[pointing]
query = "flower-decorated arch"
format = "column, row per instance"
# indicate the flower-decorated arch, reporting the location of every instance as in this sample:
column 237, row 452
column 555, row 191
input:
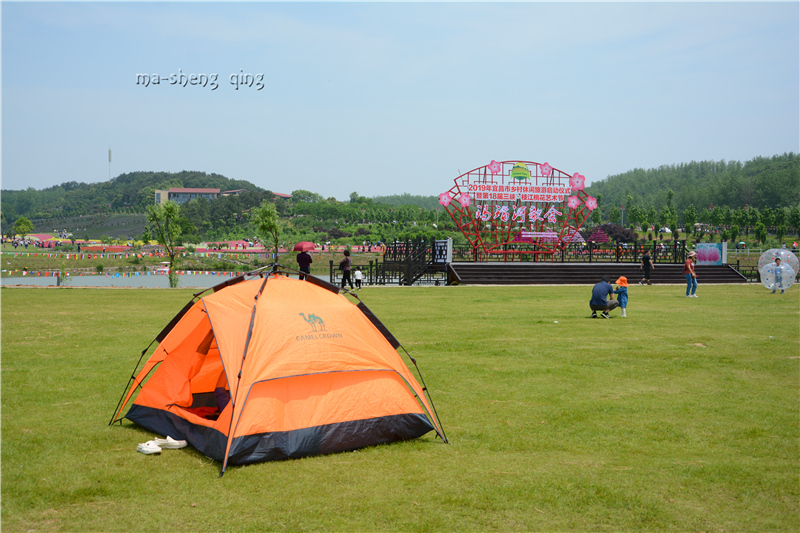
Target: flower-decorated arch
column 518, row 207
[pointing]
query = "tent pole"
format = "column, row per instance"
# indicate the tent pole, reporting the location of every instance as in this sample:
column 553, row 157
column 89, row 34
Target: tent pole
column 428, row 394
column 127, row 386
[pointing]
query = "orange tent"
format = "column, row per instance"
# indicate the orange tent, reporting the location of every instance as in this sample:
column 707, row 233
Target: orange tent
column 297, row 368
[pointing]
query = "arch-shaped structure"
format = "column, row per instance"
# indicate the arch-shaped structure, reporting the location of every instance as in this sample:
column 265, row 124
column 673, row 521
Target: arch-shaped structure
column 518, row 207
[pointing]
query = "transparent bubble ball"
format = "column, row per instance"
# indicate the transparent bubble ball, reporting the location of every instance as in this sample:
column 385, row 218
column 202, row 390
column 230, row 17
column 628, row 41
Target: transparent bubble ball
column 787, row 258
column 775, row 277
column 767, row 258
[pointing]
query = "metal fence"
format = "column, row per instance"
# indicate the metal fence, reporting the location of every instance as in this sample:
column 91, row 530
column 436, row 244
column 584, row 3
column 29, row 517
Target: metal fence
column 590, row 252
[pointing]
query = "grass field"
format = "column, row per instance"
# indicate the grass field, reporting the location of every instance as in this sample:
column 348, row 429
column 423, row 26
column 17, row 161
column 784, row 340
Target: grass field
column 681, row 417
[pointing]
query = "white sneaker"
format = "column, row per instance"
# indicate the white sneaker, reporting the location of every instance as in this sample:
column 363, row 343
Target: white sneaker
column 170, row 444
column 148, row 448
column 695, row 296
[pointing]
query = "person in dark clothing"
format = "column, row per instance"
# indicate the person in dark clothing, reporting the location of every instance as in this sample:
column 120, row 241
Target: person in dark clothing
column 345, row 263
column 646, row 265
column 603, row 298
column 304, row 261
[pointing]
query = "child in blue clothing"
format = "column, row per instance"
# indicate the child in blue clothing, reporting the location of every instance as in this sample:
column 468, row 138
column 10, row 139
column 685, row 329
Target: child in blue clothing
column 622, row 291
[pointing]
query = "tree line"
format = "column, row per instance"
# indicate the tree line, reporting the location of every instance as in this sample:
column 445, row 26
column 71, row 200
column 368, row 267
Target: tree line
column 761, row 196
column 761, row 182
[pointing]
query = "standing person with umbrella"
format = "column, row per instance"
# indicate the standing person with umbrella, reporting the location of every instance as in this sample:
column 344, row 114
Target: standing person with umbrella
column 303, row 258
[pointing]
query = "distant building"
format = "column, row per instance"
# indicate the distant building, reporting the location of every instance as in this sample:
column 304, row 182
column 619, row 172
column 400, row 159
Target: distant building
column 234, row 192
column 183, row 195
column 161, row 196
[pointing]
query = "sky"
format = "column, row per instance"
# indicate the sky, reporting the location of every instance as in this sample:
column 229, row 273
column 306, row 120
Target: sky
column 391, row 98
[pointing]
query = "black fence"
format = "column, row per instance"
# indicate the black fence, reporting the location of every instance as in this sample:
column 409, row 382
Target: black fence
column 591, row 252
column 410, row 262
column 369, row 272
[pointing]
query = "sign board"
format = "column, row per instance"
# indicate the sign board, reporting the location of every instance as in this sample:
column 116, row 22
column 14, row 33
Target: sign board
column 712, row 253
column 519, row 207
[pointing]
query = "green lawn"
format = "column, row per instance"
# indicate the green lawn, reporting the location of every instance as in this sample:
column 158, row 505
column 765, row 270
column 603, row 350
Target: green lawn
column 681, row 417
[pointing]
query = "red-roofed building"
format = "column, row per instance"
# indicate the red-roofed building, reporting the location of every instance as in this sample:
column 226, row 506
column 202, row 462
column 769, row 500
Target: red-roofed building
column 234, row 192
column 182, row 195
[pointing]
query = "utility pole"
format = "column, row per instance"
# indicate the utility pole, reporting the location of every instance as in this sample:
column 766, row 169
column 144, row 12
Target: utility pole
column 109, row 164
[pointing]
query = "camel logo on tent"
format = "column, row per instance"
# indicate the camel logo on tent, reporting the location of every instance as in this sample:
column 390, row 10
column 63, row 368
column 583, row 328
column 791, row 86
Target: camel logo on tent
column 314, row 321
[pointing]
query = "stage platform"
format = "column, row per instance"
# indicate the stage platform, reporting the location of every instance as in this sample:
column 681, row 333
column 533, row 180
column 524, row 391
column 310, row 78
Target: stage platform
column 547, row 273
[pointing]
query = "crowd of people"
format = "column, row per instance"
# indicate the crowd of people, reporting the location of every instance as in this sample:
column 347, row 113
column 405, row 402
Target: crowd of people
column 24, row 243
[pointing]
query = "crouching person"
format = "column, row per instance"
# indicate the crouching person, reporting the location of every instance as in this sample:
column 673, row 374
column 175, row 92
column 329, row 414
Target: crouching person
column 603, row 298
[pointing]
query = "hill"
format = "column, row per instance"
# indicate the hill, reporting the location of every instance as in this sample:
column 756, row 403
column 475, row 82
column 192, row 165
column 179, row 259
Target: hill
column 762, row 182
column 130, row 193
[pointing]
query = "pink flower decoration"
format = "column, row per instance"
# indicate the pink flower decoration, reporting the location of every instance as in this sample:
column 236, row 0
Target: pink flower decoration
column 577, row 182
column 494, row 167
column 591, row 203
column 445, row 198
column 573, row 202
column 465, row 199
column 546, row 169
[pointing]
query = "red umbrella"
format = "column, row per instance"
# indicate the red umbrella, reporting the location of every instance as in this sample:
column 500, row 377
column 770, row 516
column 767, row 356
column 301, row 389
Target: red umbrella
column 304, row 246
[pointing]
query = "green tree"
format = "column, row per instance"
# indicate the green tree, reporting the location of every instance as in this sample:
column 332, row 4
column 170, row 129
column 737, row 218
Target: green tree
column 672, row 220
column 734, row 232
column 635, row 216
column 23, row 227
column 355, row 198
column 715, row 216
column 740, row 218
column 146, row 236
column 614, row 215
column 780, row 231
column 597, row 216
column 652, row 216
column 768, row 217
column 163, row 220
column 663, row 217
column 301, row 195
column 779, row 216
column 597, row 213
column 265, row 220
column 753, row 217
column 761, row 232
column 726, row 215
column 689, row 218
column 630, row 216
column 794, row 219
